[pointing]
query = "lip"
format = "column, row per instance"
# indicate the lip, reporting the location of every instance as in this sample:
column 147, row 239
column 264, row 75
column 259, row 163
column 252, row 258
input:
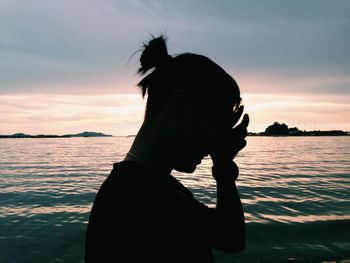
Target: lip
column 201, row 158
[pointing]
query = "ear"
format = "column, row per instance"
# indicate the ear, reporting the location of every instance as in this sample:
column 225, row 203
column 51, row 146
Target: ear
column 176, row 105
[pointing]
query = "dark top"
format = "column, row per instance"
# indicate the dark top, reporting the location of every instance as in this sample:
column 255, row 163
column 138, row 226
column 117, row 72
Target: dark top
column 141, row 216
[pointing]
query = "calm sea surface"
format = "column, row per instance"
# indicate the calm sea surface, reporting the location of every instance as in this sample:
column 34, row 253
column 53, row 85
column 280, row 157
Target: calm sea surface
column 295, row 192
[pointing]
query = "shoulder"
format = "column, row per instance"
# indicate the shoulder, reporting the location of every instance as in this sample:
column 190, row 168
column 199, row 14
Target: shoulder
column 189, row 195
column 129, row 184
column 125, row 212
column 126, row 198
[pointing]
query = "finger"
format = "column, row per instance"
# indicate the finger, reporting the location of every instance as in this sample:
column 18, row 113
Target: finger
column 245, row 121
column 237, row 115
column 240, row 131
column 241, row 144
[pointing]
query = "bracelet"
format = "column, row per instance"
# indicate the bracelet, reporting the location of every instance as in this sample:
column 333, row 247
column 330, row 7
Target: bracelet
column 225, row 172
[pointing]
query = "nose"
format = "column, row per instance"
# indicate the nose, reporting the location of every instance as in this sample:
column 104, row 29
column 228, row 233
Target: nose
column 205, row 155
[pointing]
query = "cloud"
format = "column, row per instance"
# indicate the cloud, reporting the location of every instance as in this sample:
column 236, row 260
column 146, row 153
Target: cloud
column 66, row 66
column 122, row 114
column 119, row 114
column 47, row 44
column 85, row 46
column 298, row 83
column 307, row 112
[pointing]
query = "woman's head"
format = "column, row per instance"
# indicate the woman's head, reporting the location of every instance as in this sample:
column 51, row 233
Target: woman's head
column 202, row 93
column 197, row 76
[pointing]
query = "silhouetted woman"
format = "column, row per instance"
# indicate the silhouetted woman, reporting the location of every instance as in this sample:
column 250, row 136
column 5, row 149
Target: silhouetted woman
column 143, row 214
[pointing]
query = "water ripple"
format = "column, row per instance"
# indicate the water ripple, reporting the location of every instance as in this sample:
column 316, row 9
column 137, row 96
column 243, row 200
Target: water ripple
column 295, row 189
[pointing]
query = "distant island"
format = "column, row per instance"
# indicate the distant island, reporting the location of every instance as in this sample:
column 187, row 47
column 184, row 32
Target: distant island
column 82, row 134
column 278, row 129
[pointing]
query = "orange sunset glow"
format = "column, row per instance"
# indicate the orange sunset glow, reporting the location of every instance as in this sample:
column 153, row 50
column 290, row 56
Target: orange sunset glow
column 71, row 67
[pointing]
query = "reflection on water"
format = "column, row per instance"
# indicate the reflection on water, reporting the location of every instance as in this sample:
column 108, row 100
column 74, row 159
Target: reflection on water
column 295, row 193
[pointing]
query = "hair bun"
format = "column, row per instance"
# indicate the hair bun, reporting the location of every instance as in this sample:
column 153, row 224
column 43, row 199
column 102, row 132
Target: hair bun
column 154, row 54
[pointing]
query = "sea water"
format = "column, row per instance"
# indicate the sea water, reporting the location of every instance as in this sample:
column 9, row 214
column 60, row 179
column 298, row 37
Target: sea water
column 295, row 192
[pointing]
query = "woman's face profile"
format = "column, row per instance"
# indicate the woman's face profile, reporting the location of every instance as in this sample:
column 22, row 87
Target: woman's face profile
column 195, row 137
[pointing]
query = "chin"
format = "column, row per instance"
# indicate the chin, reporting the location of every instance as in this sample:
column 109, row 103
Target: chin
column 186, row 168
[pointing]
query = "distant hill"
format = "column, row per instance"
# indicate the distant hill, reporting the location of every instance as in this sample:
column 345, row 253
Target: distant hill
column 282, row 129
column 82, row 134
column 88, row 134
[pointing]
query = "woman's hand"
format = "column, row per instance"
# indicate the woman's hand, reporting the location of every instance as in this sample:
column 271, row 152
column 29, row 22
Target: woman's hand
column 233, row 142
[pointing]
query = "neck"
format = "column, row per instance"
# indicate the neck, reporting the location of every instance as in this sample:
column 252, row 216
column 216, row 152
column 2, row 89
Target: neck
column 149, row 149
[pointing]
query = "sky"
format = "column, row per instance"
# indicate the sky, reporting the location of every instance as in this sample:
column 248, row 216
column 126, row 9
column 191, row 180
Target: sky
column 70, row 66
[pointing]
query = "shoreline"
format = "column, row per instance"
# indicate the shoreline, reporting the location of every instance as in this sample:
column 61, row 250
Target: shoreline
column 128, row 136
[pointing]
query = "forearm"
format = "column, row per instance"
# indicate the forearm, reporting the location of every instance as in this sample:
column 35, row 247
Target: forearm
column 229, row 210
column 229, row 202
column 229, row 216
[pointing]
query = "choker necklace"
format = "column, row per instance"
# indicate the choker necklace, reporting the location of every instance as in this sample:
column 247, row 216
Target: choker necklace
column 140, row 161
column 135, row 156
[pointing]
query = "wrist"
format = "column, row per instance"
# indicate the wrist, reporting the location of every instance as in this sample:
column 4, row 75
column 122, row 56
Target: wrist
column 225, row 171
